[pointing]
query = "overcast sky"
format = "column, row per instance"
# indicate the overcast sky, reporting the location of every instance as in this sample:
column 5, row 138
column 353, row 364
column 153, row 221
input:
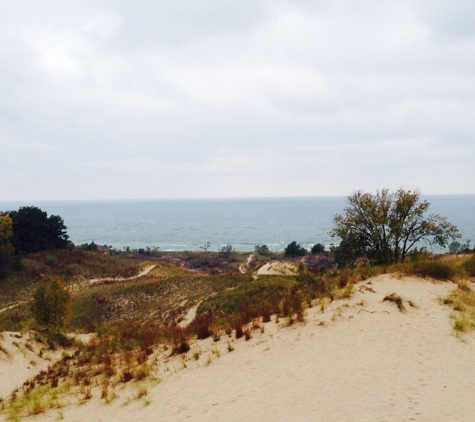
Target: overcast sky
column 210, row 98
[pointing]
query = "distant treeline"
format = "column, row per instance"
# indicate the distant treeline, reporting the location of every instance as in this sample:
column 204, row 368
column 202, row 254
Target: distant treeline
column 27, row 230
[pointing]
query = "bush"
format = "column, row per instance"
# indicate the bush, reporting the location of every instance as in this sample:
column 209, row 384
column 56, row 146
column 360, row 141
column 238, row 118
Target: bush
column 262, row 250
column 148, row 251
column 89, row 246
column 226, row 252
column 51, row 304
column 318, row 248
column 295, row 249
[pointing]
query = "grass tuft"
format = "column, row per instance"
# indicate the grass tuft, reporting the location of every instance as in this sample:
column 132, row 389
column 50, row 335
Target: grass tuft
column 141, row 392
column 395, row 298
column 462, row 301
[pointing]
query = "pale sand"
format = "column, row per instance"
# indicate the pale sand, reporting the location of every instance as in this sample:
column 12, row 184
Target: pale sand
column 278, row 268
column 367, row 362
column 18, row 363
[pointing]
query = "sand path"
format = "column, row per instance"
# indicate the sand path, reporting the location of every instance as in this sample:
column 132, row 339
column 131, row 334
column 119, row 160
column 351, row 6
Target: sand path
column 93, row 281
column 243, row 268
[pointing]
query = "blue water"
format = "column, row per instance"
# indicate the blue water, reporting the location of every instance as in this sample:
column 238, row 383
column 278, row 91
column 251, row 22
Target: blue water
column 242, row 223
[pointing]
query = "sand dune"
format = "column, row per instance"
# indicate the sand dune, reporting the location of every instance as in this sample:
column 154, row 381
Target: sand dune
column 278, row 268
column 359, row 360
column 21, row 358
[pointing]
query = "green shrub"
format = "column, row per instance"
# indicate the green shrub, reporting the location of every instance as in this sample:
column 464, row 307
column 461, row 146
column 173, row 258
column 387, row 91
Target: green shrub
column 295, row 249
column 318, row 248
column 89, row 246
column 51, row 304
column 262, row 250
column 149, row 251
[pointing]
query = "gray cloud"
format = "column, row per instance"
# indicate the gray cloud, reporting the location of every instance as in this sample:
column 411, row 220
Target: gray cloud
column 256, row 98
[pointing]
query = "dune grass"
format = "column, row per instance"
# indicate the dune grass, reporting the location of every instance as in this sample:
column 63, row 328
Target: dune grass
column 164, row 294
column 119, row 354
column 462, row 301
column 285, row 296
column 152, row 298
column 444, row 267
column 72, row 265
column 396, row 299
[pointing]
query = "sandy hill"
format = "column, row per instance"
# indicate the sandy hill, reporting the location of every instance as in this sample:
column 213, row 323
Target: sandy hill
column 360, row 359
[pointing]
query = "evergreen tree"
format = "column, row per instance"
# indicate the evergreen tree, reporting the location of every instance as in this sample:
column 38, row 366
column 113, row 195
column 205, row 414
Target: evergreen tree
column 34, row 231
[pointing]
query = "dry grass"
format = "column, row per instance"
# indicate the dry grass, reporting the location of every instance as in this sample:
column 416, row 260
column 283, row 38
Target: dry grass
column 121, row 353
column 395, row 298
column 165, row 294
column 285, row 296
column 462, row 301
column 70, row 264
column 141, row 392
column 445, row 267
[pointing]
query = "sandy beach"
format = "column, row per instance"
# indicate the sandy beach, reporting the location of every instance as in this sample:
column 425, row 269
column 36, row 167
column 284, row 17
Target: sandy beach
column 360, row 359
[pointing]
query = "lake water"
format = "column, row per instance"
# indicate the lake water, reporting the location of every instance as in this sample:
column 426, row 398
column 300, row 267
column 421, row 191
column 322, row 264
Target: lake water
column 242, row 223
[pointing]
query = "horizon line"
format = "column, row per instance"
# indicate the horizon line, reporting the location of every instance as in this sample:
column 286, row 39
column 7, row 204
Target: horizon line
column 205, row 198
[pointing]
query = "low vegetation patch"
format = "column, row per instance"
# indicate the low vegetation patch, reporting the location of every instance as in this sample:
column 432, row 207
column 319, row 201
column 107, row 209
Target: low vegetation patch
column 462, row 301
column 119, row 354
column 437, row 267
column 71, row 265
column 284, row 296
column 395, row 298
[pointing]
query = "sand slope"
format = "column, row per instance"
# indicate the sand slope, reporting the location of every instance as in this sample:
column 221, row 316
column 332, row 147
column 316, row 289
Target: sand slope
column 278, row 268
column 367, row 362
column 21, row 358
